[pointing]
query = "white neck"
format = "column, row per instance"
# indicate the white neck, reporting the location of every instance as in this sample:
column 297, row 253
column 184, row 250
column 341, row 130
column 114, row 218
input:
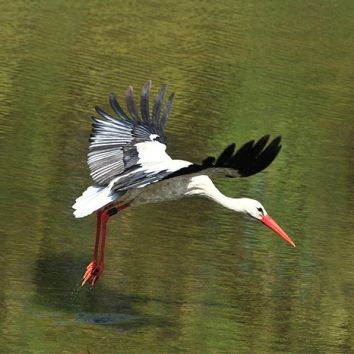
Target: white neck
column 203, row 186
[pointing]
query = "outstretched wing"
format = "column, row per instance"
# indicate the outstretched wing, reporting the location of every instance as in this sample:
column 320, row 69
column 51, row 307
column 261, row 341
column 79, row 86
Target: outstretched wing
column 251, row 158
column 126, row 142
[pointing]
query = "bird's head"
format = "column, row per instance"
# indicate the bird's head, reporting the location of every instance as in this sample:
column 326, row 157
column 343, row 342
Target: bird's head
column 256, row 210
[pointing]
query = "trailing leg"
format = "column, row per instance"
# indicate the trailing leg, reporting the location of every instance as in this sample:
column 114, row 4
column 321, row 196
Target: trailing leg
column 100, row 267
column 96, row 266
column 92, row 265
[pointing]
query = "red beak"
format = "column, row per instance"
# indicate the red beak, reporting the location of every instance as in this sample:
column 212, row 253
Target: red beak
column 268, row 221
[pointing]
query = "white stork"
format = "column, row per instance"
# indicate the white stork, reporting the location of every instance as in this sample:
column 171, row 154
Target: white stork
column 129, row 166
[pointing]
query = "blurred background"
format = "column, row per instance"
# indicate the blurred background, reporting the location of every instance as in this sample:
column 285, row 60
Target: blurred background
column 186, row 276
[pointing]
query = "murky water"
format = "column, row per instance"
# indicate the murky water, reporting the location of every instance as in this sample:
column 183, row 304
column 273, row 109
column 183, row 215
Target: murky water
column 187, row 276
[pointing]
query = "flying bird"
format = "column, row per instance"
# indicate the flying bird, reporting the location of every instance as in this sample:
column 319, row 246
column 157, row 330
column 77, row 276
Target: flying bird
column 129, row 166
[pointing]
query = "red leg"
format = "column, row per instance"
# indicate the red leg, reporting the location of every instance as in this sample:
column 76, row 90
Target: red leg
column 95, row 270
column 99, row 269
column 92, row 265
column 98, row 231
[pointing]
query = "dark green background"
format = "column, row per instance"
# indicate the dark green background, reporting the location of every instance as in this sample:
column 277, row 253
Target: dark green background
column 188, row 276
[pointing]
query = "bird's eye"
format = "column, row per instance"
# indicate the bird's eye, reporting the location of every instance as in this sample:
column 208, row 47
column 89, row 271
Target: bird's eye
column 260, row 210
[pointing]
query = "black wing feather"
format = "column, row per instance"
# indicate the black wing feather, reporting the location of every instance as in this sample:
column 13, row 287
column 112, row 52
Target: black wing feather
column 144, row 103
column 260, row 144
column 166, row 112
column 226, row 156
column 264, row 159
column 157, row 106
column 117, row 108
column 129, row 98
column 251, row 158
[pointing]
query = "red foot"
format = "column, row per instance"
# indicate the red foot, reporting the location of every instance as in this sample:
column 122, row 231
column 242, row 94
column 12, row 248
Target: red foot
column 93, row 271
column 97, row 273
column 89, row 270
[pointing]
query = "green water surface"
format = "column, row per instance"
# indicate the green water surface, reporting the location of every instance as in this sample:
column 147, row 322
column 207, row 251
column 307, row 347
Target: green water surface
column 186, row 276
